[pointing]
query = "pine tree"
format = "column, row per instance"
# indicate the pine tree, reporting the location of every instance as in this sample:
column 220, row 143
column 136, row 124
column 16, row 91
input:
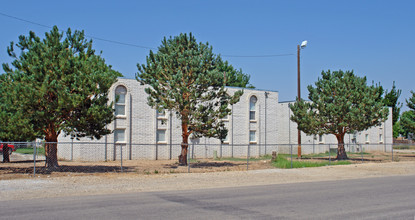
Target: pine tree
column 234, row 77
column 14, row 123
column 340, row 103
column 408, row 117
column 391, row 100
column 184, row 77
column 65, row 86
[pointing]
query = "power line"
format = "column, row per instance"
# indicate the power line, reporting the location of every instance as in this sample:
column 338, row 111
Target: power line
column 140, row 46
column 272, row 55
column 96, row 38
column 20, row 19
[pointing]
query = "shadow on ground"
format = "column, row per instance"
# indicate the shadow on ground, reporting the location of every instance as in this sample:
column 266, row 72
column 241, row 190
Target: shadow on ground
column 64, row 169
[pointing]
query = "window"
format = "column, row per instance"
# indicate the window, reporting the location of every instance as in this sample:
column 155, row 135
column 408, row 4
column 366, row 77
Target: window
column 367, row 138
column 226, row 140
column 320, row 139
column 252, row 108
column 252, row 136
column 119, row 135
column 161, row 135
column 380, row 138
column 120, row 93
column 161, row 114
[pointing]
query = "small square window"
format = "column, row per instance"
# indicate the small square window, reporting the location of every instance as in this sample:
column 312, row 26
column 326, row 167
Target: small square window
column 161, row 135
column 252, row 136
column 320, row 139
column 161, row 114
column 119, row 109
column 252, row 115
column 119, row 135
column 367, row 138
column 226, row 140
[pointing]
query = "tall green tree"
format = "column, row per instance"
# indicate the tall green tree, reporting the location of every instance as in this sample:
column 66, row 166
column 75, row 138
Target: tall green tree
column 340, row 103
column 65, row 86
column 408, row 117
column 234, row 77
column 184, row 77
column 391, row 100
column 14, row 123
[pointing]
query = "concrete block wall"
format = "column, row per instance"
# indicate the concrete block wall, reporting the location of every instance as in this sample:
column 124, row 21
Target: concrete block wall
column 273, row 131
column 288, row 133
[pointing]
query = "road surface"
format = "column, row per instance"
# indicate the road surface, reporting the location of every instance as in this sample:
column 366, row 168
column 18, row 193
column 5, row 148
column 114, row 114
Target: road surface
column 371, row 198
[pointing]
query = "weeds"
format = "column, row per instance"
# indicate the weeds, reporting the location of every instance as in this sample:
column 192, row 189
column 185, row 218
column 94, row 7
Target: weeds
column 283, row 162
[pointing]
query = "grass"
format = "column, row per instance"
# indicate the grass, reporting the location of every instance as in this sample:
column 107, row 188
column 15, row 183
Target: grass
column 29, row 150
column 283, row 162
column 265, row 157
column 332, row 154
column 404, row 147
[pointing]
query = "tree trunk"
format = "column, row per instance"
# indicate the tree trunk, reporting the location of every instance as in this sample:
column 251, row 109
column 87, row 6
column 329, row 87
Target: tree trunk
column 6, row 156
column 185, row 145
column 51, row 150
column 183, row 155
column 341, row 152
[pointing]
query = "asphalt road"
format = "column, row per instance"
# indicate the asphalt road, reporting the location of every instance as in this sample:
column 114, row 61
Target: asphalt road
column 372, row 198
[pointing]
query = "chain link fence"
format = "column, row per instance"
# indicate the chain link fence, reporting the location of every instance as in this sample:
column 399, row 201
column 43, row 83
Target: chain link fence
column 118, row 154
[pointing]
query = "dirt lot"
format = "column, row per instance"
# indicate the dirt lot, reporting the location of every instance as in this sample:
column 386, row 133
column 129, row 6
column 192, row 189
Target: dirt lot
column 81, row 178
column 22, row 166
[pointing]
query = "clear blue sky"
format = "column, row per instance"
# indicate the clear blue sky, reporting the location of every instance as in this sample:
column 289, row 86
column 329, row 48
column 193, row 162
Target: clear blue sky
column 374, row 38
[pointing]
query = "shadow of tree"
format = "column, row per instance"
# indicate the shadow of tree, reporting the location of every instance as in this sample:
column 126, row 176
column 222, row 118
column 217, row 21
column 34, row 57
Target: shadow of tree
column 204, row 165
column 66, row 168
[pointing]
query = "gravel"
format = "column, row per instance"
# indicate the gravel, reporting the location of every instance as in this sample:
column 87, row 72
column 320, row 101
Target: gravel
column 110, row 183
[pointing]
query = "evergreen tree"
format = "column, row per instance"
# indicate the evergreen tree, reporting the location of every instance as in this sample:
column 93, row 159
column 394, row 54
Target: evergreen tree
column 65, row 86
column 340, row 103
column 408, row 117
column 391, row 100
column 235, row 78
column 14, row 123
column 184, row 77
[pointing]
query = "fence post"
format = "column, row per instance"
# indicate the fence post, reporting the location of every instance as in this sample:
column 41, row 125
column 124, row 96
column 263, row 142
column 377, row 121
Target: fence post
column 361, row 151
column 121, row 156
column 392, row 152
column 193, row 150
column 247, row 159
column 220, row 150
column 329, row 155
column 188, row 159
column 34, row 159
column 72, row 150
column 291, row 152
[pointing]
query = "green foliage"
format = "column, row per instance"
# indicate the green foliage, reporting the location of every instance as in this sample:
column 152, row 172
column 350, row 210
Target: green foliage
column 234, row 77
column 283, row 162
column 408, row 117
column 185, row 77
column 14, row 123
column 340, row 103
column 29, row 150
column 398, row 129
column 61, row 84
column 391, row 100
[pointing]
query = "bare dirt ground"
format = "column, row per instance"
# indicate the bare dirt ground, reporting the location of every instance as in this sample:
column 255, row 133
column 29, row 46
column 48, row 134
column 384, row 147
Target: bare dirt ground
column 86, row 178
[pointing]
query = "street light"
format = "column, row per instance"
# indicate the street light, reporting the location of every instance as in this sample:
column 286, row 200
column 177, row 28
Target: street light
column 299, row 47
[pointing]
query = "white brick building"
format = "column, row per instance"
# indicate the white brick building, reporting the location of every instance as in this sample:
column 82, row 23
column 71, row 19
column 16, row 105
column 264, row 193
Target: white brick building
column 140, row 132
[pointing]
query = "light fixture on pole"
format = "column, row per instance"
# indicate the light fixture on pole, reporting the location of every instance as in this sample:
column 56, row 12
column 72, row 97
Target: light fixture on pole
column 299, row 47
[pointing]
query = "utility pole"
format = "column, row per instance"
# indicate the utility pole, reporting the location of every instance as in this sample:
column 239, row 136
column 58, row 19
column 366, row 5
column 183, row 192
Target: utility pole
column 303, row 45
column 298, row 98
